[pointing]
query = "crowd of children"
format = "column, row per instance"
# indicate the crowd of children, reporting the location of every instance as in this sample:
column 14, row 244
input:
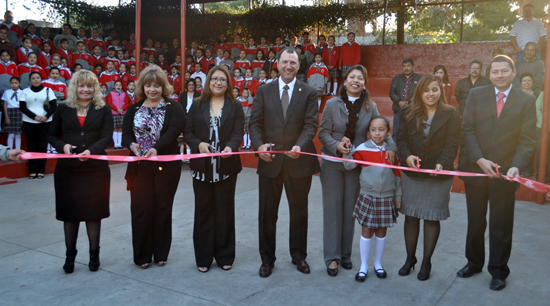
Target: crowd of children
column 114, row 62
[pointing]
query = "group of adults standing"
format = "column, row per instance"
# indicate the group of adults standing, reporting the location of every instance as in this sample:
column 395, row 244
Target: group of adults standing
column 285, row 118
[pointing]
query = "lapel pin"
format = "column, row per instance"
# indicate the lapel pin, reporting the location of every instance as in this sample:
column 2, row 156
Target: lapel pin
column 299, row 89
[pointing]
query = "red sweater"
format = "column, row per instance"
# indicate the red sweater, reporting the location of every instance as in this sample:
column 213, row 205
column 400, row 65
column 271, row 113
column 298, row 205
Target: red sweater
column 125, row 78
column 83, row 56
column 63, row 72
column 68, row 55
column 242, row 64
column 21, row 56
column 107, row 77
column 92, row 42
column 10, row 69
column 26, row 68
column 331, row 58
column 56, row 86
column 350, row 55
column 44, row 60
column 118, row 100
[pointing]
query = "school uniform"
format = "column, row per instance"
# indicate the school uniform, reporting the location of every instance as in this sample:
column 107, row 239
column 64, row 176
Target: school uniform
column 264, row 48
column 207, row 63
column 118, row 100
column 11, row 98
column 35, row 40
column 318, row 76
column 268, row 65
column 175, row 81
column 56, row 86
column 13, row 27
column 64, row 73
column 176, row 65
column 7, row 70
column 47, row 40
column 256, row 66
column 331, row 57
column 130, row 46
column 115, row 61
column 350, row 55
column 132, row 96
column 108, row 79
column 84, row 59
column 125, row 78
column 44, row 59
column 224, row 46
column 150, row 51
column 252, row 86
column 21, row 55
column 95, row 42
column 243, row 64
column 98, row 60
column 24, row 71
column 277, row 48
column 238, row 83
column 251, row 50
column 66, row 54
column 190, row 68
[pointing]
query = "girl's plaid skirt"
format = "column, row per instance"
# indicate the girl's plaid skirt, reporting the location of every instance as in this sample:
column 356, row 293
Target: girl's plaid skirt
column 334, row 73
column 345, row 69
column 246, row 123
column 117, row 119
column 16, row 118
column 372, row 212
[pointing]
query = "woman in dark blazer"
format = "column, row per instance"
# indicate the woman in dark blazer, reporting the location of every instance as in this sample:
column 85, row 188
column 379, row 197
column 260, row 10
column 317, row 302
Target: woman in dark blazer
column 82, row 125
column 428, row 138
column 151, row 127
column 187, row 97
column 215, row 124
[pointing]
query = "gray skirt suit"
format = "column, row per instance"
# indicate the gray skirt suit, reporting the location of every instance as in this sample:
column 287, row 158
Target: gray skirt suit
column 340, row 186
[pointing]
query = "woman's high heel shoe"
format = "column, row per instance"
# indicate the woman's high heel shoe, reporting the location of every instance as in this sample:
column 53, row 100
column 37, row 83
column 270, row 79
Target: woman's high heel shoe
column 424, row 276
column 94, row 260
column 69, row 261
column 406, row 269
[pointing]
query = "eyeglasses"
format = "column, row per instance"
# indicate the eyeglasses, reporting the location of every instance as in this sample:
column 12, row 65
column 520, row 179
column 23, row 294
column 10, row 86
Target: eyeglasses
column 216, row 80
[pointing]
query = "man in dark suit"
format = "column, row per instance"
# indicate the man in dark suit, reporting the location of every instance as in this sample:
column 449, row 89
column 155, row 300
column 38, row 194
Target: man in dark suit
column 285, row 117
column 402, row 90
column 499, row 135
column 474, row 79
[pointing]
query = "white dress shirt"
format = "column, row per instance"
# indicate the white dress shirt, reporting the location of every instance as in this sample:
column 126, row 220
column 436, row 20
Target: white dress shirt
column 291, row 88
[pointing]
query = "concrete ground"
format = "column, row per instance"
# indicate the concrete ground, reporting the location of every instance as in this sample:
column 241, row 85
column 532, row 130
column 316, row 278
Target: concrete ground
column 32, row 254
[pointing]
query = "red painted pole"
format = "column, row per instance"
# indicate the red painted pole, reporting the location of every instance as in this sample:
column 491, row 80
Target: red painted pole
column 183, row 53
column 544, row 132
column 138, row 37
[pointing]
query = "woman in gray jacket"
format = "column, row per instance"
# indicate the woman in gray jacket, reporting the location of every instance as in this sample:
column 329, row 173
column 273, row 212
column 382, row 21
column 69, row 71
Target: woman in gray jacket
column 344, row 125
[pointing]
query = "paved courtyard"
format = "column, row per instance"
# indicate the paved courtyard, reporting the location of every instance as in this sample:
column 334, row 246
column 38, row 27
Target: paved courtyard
column 32, row 254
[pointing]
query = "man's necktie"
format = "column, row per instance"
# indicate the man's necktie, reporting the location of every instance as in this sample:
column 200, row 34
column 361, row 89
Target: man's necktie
column 285, row 100
column 500, row 103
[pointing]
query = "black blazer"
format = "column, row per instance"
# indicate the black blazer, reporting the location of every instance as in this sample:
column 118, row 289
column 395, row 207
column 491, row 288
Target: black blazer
column 397, row 90
column 508, row 140
column 300, row 127
column 197, row 130
column 174, row 123
column 183, row 99
column 441, row 146
column 95, row 136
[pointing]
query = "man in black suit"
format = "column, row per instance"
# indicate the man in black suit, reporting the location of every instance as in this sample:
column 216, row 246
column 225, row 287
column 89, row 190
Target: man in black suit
column 402, row 90
column 499, row 135
column 285, row 117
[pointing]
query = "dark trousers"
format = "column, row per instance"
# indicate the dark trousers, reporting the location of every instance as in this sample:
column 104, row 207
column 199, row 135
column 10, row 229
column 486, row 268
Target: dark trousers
column 214, row 228
column 37, row 134
column 501, row 224
column 270, row 190
column 395, row 127
column 152, row 198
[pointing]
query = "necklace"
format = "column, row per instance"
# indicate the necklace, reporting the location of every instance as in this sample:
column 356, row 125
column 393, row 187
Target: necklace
column 83, row 110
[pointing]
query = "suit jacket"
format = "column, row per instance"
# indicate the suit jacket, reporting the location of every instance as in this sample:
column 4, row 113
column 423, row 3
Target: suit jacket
column 397, row 90
column 94, row 136
column 334, row 122
column 463, row 87
column 508, row 140
column 231, row 130
column 268, row 126
column 441, row 146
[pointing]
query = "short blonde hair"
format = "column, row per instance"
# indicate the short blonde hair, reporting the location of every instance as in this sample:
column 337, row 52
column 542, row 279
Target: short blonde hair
column 84, row 77
column 153, row 74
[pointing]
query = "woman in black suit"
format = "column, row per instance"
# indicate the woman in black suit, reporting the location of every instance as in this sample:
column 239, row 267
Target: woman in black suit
column 215, row 124
column 428, row 138
column 187, row 97
column 151, row 127
column 82, row 125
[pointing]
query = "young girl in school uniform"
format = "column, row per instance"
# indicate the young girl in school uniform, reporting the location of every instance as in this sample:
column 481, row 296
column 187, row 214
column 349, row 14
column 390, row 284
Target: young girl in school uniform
column 250, row 83
column 119, row 102
column 238, row 80
column 274, row 75
column 242, row 62
column 25, row 70
column 59, row 88
column 44, row 57
column 131, row 91
column 8, row 69
column 23, row 51
column 246, row 101
column 380, row 197
column 13, row 117
column 258, row 63
column 198, row 84
column 109, row 76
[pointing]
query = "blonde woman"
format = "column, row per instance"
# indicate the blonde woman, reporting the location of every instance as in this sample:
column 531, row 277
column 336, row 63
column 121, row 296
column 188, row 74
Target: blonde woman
column 82, row 125
column 151, row 127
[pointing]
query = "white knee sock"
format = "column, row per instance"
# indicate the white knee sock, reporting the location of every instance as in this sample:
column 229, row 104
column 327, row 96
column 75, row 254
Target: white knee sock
column 188, row 151
column 364, row 247
column 379, row 246
column 245, row 140
column 115, row 139
column 18, row 141
column 11, row 137
column 119, row 137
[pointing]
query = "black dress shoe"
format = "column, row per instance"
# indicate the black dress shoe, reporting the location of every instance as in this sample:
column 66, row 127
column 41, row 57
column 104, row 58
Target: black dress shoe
column 467, row 272
column 406, row 269
column 497, row 284
column 301, row 265
column 265, row 269
column 380, row 273
column 332, row 272
column 361, row 276
column 346, row 265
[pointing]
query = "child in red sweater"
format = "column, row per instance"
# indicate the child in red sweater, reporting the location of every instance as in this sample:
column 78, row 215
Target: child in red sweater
column 119, row 102
column 350, row 54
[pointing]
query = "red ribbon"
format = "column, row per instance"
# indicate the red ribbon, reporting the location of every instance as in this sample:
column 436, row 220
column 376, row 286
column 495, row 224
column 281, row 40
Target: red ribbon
column 534, row 185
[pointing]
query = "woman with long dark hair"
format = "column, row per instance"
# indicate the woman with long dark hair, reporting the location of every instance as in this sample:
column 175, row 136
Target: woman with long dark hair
column 428, row 138
column 441, row 72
